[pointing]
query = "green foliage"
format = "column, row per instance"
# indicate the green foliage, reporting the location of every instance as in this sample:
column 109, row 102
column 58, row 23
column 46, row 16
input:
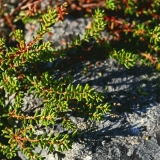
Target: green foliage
column 110, row 4
column 126, row 58
column 20, row 129
column 135, row 26
column 138, row 39
column 98, row 24
column 155, row 37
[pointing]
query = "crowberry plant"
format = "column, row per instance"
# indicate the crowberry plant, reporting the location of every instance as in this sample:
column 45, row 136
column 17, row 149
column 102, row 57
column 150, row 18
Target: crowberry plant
column 59, row 96
column 133, row 25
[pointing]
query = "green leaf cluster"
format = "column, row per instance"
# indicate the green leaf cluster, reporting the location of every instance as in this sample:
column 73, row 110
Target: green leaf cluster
column 126, row 58
column 20, row 74
column 59, row 96
column 98, row 25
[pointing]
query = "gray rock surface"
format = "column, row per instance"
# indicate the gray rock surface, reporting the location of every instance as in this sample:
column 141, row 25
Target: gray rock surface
column 132, row 131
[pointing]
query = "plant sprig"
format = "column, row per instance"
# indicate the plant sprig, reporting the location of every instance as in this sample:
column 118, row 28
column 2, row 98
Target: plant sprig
column 57, row 100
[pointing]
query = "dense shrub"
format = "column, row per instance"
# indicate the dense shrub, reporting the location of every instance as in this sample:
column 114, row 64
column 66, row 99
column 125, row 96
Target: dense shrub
column 135, row 37
column 20, row 74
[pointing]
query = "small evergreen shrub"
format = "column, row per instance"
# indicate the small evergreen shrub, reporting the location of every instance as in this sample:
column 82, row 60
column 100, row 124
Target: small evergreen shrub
column 134, row 27
column 19, row 74
column 136, row 39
